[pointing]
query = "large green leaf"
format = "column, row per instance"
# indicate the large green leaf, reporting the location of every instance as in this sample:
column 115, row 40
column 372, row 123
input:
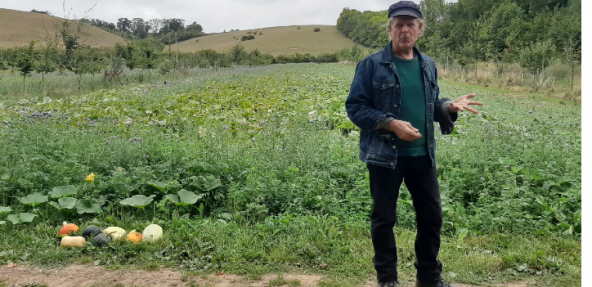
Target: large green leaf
column 158, row 185
column 5, row 209
column 21, row 218
column 173, row 198
column 188, row 197
column 62, row 191
column 139, row 201
column 67, row 202
column 208, row 183
column 33, row 199
column 64, row 203
column 88, row 206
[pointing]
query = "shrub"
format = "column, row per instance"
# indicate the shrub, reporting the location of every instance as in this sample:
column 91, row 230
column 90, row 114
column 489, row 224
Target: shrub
column 317, row 29
column 247, row 37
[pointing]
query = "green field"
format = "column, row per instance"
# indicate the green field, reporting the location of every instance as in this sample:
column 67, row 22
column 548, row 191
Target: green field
column 276, row 41
column 272, row 157
column 19, row 28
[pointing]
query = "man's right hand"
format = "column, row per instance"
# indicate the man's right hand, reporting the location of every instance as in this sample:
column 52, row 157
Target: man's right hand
column 404, row 130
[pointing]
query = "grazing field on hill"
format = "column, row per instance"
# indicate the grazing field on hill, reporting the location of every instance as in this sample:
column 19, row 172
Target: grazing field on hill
column 19, row 28
column 255, row 170
column 274, row 41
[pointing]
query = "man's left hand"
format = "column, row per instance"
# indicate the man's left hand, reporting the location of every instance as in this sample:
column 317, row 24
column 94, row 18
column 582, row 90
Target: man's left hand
column 463, row 103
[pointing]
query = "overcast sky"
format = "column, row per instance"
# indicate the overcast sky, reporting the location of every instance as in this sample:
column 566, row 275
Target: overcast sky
column 214, row 16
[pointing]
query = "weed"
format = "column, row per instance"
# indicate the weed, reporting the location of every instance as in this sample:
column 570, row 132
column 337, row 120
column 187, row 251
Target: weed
column 280, row 281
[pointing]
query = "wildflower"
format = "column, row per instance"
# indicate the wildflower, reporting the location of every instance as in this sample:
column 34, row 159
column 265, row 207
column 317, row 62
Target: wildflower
column 90, row 177
column 120, row 169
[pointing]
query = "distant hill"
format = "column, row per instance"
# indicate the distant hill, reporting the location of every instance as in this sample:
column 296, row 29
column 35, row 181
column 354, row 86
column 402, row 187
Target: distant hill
column 18, row 28
column 275, row 41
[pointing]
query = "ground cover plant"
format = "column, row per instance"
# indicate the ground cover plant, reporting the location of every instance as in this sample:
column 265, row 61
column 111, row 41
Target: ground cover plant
column 255, row 170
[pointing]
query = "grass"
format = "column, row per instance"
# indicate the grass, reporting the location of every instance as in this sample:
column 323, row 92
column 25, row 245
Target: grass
column 280, row 281
column 208, row 245
column 19, row 28
column 275, row 41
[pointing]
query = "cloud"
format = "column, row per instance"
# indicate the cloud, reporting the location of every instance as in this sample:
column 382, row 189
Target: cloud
column 214, row 16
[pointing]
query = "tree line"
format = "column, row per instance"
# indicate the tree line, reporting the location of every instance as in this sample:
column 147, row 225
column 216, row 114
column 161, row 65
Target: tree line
column 168, row 31
column 532, row 33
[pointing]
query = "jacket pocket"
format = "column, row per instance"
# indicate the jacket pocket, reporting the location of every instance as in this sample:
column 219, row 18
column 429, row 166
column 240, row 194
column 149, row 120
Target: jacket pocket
column 383, row 91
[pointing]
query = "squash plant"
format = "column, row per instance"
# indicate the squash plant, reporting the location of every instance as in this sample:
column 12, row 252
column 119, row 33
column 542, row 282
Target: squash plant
column 4, row 209
column 185, row 198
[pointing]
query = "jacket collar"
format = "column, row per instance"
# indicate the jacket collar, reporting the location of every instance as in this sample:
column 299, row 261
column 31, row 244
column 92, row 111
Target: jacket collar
column 387, row 55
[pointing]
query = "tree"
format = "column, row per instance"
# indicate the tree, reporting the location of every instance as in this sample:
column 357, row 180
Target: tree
column 46, row 61
column 572, row 57
column 124, row 24
column 25, row 64
column 537, row 56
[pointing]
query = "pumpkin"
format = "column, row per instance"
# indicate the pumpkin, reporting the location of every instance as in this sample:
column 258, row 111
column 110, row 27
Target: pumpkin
column 115, row 232
column 152, row 233
column 134, row 237
column 101, row 240
column 73, row 241
column 66, row 228
column 91, row 230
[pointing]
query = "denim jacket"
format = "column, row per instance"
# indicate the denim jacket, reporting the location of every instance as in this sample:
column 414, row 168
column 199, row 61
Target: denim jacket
column 375, row 95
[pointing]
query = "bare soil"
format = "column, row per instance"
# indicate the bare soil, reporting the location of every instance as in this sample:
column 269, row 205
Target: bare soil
column 95, row 276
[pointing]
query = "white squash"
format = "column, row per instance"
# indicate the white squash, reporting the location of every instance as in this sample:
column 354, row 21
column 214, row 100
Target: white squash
column 73, row 241
column 115, row 232
column 152, row 233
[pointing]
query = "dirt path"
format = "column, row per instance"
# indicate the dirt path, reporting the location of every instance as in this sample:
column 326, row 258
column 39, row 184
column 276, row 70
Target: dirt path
column 80, row 275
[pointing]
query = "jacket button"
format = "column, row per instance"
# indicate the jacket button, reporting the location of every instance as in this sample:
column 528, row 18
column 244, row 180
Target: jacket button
column 397, row 86
column 396, row 106
column 394, row 147
column 392, row 164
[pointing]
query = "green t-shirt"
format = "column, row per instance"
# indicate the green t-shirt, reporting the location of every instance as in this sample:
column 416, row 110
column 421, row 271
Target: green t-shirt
column 413, row 105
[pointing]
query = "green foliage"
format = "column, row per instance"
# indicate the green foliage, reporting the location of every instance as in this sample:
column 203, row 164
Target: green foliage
column 25, row 61
column 255, row 142
column 247, row 37
column 538, row 56
column 63, row 191
column 21, row 218
column 33, row 199
column 317, row 29
column 139, row 201
column 477, row 29
column 64, row 203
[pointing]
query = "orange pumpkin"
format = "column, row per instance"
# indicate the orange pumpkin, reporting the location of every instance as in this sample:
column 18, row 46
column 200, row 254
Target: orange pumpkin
column 66, row 228
column 134, row 237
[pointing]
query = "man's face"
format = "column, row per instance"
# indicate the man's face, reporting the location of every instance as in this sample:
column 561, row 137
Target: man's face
column 404, row 32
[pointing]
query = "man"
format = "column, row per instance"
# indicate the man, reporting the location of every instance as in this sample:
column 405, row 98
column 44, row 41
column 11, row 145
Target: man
column 394, row 100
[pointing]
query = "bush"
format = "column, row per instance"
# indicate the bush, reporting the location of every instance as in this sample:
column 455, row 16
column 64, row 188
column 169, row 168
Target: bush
column 247, row 37
column 317, row 29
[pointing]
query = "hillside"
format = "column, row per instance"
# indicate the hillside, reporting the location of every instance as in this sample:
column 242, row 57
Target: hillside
column 275, row 41
column 19, row 28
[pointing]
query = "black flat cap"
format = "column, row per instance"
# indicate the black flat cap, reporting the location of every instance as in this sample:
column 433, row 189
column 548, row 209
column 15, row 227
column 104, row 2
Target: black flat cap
column 405, row 8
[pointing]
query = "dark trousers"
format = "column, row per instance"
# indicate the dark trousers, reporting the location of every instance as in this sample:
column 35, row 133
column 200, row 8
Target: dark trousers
column 421, row 180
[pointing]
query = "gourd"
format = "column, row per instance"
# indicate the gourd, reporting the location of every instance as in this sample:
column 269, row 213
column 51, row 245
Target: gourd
column 152, row 233
column 91, row 230
column 115, row 232
column 134, row 237
column 101, row 240
column 73, row 241
column 66, row 228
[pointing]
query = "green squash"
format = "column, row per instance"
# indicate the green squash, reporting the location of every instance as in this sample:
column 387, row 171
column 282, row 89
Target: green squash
column 102, row 240
column 91, row 230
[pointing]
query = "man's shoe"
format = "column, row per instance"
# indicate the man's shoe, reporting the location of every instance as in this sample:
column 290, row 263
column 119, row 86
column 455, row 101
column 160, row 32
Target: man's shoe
column 388, row 284
column 442, row 283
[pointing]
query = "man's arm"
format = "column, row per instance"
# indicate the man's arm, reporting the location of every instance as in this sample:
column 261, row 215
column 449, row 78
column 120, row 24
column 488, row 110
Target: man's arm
column 359, row 105
column 442, row 112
